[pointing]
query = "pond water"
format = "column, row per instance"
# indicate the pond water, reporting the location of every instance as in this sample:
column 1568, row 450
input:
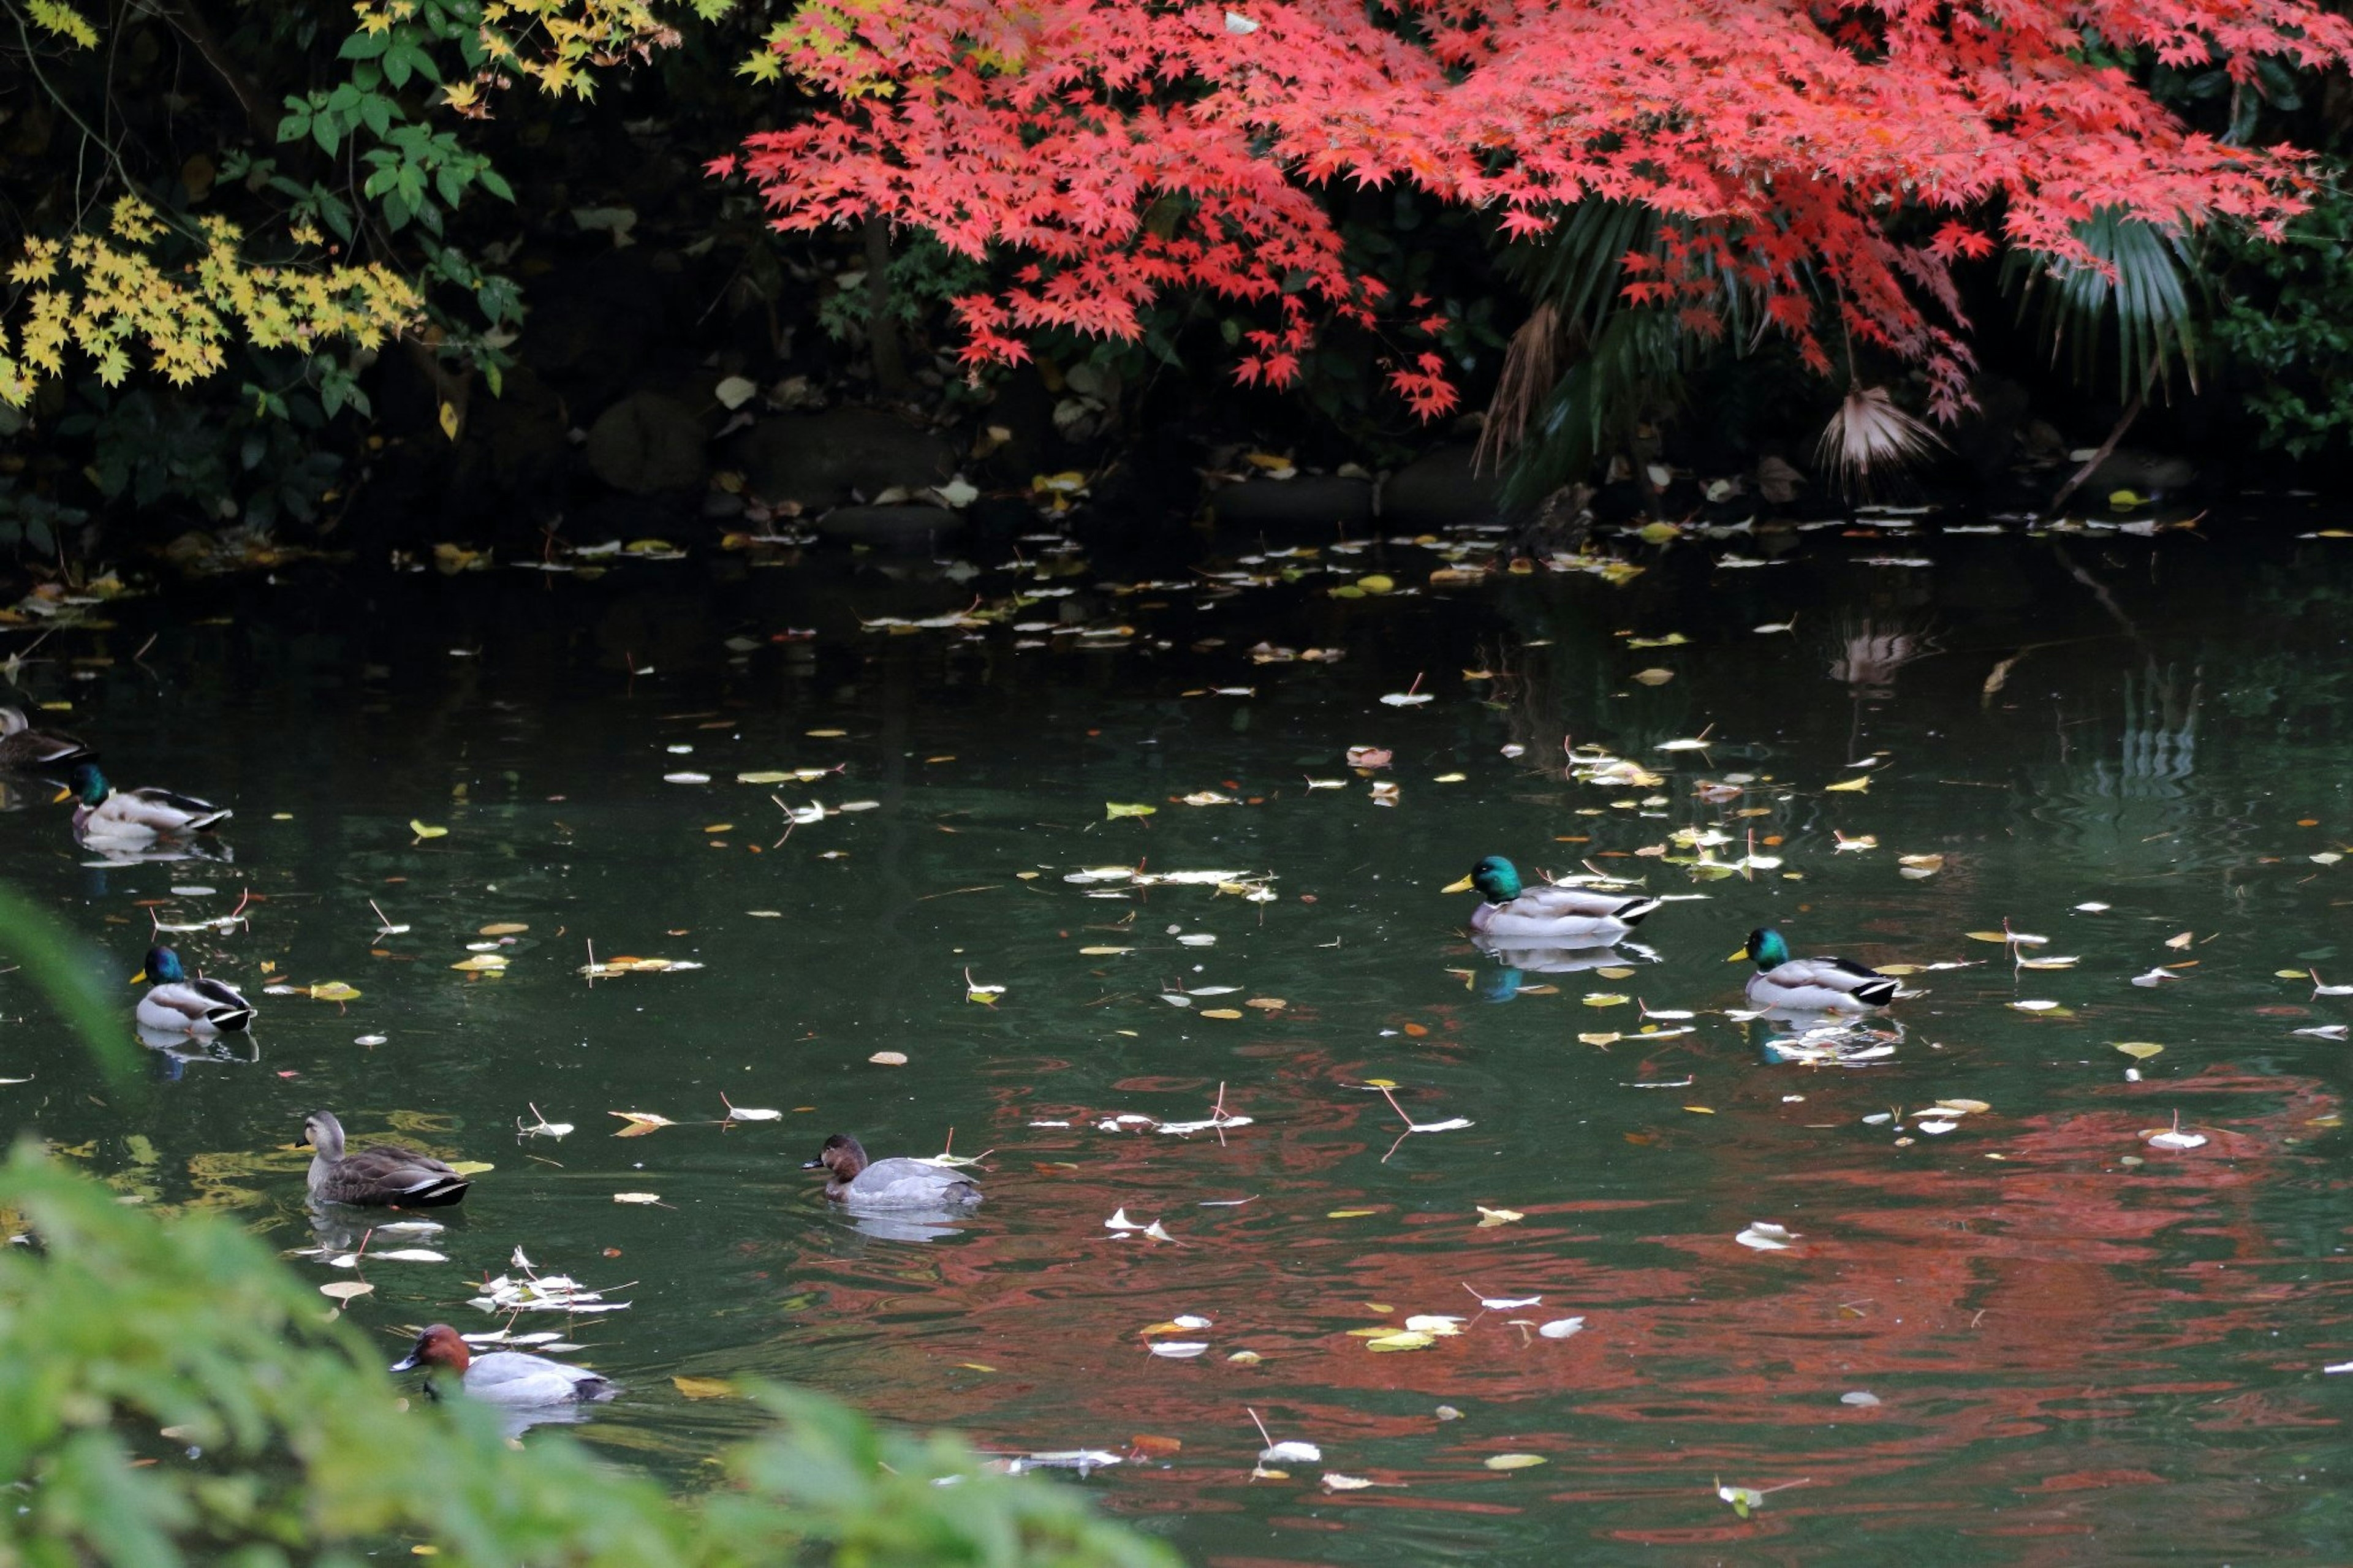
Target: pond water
column 2031, row 1336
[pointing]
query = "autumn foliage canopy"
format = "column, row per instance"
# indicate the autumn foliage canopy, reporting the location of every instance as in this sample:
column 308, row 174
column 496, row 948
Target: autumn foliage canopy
column 1831, row 159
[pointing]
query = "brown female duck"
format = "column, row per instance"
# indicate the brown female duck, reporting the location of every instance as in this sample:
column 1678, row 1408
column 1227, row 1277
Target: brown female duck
column 23, row 746
column 385, row 1176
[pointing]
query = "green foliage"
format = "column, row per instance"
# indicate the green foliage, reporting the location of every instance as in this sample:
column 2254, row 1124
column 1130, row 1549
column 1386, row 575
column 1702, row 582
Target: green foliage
column 2283, row 318
column 170, row 1393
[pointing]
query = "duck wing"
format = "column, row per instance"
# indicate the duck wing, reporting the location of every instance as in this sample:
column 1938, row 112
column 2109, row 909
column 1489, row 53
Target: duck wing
column 163, row 810
column 510, row 1377
column 1583, row 903
column 41, row 749
column 1838, row 977
column 226, row 1006
column 903, row 1183
column 391, row 1176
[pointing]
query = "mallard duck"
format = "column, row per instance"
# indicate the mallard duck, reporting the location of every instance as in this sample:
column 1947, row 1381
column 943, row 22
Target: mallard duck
column 1552, row 916
column 893, row 1183
column 385, row 1176
column 504, row 1377
column 177, row 1005
column 103, row 813
column 1811, row 985
column 22, row 746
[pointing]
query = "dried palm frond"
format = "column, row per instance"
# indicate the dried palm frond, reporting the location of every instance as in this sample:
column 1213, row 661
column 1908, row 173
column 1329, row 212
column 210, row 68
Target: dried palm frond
column 1531, row 365
column 1870, row 430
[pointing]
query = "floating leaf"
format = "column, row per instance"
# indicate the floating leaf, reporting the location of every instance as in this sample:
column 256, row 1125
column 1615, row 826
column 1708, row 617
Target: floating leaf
column 482, row 963
column 636, row 1197
column 345, row 1289
column 1766, row 1237
column 1850, row 786
column 640, row 1122
column 889, row 1059
column 703, row 1387
column 422, row 831
column 334, row 990
column 1490, row 1218
column 1340, row 1483
column 1291, row 1453
column 1561, row 1328
column 1405, row 1340
column 2139, row 1050
column 1514, row 1461
column 745, row 1114
column 1114, row 809
column 503, row 928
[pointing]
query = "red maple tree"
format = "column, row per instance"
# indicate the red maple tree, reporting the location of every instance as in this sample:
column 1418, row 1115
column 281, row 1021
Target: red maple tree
column 1832, row 157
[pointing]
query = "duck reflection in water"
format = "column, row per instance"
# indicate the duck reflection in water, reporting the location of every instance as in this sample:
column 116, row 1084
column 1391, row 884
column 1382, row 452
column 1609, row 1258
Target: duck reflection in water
column 1516, row 963
column 1821, row 1039
column 175, row 1049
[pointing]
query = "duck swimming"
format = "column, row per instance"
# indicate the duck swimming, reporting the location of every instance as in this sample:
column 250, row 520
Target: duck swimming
column 106, row 815
column 1551, row 916
column 177, row 1005
column 1811, row 985
column 504, row 1377
column 384, row 1175
column 22, row 746
column 895, row 1184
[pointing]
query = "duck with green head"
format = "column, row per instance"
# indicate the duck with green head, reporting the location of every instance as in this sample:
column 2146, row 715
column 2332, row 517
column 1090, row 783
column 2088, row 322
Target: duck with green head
column 175, row 1004
column 1790, row 985
column 104, row 814
column 1549, row 916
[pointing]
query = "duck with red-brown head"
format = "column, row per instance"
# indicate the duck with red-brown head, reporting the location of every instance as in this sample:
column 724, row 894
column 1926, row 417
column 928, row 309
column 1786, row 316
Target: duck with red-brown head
column 858, row 1184
column 503, row 1377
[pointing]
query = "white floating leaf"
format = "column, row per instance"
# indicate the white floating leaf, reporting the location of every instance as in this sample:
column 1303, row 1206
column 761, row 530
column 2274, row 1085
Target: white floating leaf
column 1766, row 1237
column 1178, row 1350
column 1561, row 1328
column 1292, row 1453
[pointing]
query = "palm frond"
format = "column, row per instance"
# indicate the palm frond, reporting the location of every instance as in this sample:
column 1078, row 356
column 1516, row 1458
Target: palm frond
column 1868, row 430
column 1531, row 364
column 2142, row 280
column 1630, row 370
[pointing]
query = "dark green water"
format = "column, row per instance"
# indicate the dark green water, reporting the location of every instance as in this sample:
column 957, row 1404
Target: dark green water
column 2084, row 1348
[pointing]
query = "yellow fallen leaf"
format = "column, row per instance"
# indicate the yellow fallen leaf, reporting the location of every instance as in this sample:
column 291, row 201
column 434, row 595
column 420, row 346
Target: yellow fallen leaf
column 449, row 420
column 504, row 928
column 334, row 990
column 482, row 963
column 1850, row 786
column 1490, row 1218
column 423, row 831
column 1403, row 1340
column 1514, row 1461
column 2139, row 1050
column 703, row 1387
column 472, row 1167
column 1701, row 1109
column 1350, row 1213
column 1113, row 810
column 1220, row 1012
